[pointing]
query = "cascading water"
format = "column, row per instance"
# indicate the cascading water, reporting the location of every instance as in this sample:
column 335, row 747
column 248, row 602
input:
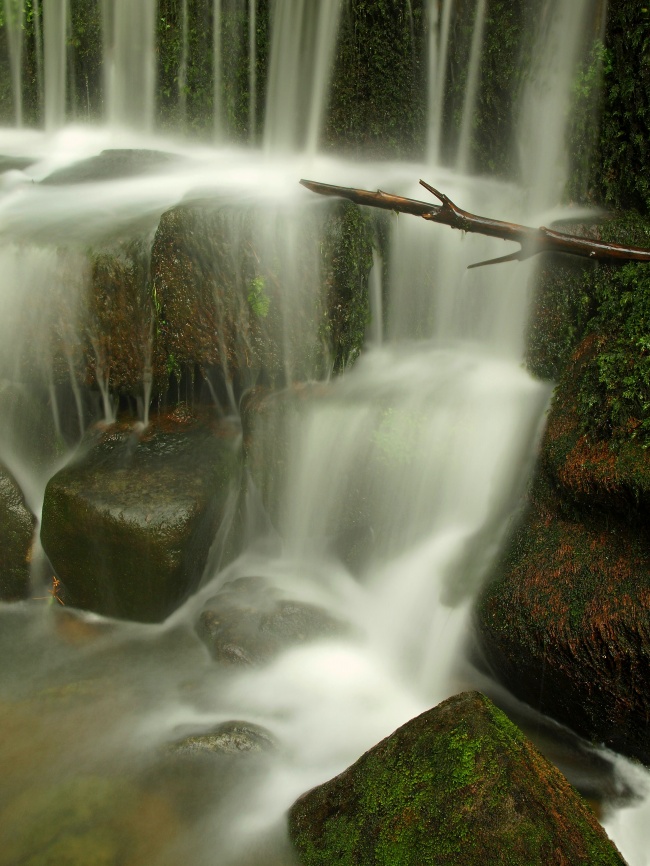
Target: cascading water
column 399, row 476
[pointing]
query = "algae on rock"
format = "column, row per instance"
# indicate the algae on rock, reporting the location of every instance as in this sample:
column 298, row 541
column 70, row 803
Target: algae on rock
column 459, row 785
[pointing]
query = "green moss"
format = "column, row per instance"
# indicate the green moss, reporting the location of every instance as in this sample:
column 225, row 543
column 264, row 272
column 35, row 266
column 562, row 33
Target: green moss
column 347, row 260
column 459, row 784
column 378, row 95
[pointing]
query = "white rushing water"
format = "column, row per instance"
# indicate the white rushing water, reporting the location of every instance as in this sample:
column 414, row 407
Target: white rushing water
column 430, row 437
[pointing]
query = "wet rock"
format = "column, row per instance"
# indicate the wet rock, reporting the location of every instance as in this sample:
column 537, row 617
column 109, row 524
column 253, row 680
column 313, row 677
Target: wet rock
column 17, row 525
column 112, row 165
column 248, row 623
column 229, row 738
column 565, row 621
column 460, row 785
column 129, row 522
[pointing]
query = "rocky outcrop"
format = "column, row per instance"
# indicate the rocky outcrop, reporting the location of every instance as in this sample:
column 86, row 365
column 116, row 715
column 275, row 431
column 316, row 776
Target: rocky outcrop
column 247, row 622
column 459, row 785
column 565, row 621
column 17, row 525
column 129, row 522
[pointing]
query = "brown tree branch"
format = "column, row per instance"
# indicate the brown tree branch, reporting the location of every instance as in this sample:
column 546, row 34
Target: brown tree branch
column 532, row 241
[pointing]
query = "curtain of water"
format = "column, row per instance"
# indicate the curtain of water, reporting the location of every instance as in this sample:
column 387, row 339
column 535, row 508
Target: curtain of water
column 14, row 15
column 471, row 89
column 129, row 62
column 302, row 46
column 547, row 98
column 438, row 51
column 55, row 24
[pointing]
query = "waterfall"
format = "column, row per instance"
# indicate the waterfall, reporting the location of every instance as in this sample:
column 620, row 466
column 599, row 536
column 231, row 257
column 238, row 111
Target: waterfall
column 545, row 102
column 55, row 24
column 302, row 46
column 390, row 486
column 129, row 62
column 438, row 51
column 14, row 14
column 471, row 88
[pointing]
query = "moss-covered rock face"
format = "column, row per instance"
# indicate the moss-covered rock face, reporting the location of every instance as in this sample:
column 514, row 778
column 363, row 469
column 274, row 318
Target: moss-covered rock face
column 565, row 623
column 17, row 525
column 231, row 301
column 378, row 94
column 622, row 172
column 129, row 523
column 460, row 785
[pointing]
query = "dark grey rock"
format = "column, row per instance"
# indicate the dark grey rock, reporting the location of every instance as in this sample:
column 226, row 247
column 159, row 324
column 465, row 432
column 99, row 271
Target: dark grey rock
column 128, row 523
column 248, row 623
column 228, row 738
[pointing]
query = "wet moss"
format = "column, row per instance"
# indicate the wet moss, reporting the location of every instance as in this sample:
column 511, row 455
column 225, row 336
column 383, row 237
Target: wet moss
column 378, row 93
column 565, row 621
column 458, row 784
column 347, row 254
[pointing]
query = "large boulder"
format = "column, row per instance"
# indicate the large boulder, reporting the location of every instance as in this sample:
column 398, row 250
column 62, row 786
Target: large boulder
column 459, row 784
column 565, row 621
column 129, row 522
column 17, row 525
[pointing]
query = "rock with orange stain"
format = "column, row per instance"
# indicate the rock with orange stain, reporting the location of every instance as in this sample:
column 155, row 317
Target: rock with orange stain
column 565, row 620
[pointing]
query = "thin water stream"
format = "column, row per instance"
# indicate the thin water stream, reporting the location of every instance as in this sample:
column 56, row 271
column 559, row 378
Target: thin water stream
column 431, row 437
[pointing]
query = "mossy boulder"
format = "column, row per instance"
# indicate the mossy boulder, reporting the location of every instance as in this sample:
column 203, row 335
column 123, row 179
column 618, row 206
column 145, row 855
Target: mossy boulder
column 232, row 302
column 459, row 784
column 565, row 621
column 129, row 522
column 17, row 525
column 248, row 622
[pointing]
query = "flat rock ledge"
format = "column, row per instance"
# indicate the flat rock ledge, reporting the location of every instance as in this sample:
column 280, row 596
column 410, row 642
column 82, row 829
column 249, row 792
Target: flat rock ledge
column 459, row 784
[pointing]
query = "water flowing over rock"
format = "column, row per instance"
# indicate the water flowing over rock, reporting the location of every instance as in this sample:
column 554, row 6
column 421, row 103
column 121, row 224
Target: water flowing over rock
column 17, row 525
column 459, row 785
column 248, row 623
column 128, row 524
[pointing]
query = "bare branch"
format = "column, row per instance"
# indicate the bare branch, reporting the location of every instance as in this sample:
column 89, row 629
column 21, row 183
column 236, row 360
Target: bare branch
column 532, row 241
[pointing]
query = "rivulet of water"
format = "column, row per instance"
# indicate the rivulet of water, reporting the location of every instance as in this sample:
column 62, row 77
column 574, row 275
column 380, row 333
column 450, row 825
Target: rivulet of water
column 399, row 479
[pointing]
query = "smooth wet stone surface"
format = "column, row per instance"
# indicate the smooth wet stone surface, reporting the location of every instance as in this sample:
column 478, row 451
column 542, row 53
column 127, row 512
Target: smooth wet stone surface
column 458, row 785
column 247, row 623
column 129, row 522
column 112, row 165
column 228, row 738
column 17, row 525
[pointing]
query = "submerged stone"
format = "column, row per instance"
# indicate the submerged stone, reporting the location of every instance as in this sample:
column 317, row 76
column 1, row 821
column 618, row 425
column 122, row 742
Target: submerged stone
column 247, row 623
column 459, row 784
column 129, row 522
column 112, row 165
column 228, row 738
column 17, row 525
